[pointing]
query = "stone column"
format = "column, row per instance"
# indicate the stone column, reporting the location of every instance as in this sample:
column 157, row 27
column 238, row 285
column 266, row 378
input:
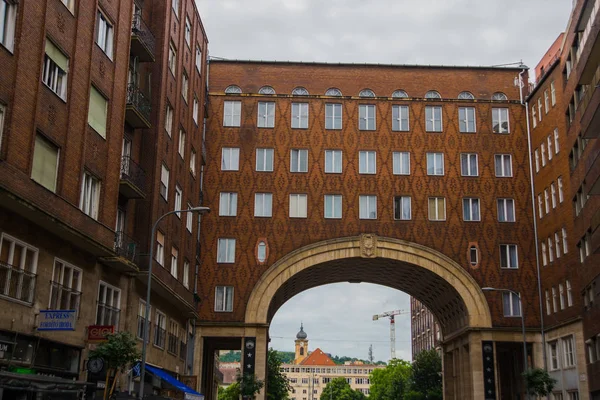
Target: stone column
column 475, row 367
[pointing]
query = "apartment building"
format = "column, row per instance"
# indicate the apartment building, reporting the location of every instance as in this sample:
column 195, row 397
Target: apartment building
column 424, row 330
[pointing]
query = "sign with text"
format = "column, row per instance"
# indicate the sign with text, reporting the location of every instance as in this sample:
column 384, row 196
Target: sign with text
column 57, row 320
column 98, row 333
column 6, row 348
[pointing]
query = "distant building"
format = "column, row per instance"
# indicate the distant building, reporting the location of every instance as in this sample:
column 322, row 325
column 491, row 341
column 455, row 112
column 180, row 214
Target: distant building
column 310, row 373
column 424, row 329
column 230, row 371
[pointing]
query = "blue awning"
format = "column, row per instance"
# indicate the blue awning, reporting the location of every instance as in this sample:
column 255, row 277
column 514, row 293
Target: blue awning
column 190, row 393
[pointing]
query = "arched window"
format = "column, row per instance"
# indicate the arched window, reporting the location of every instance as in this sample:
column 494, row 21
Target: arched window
column 432, row 94
column 233, row 89
column 499, row 96
column 266, row 90
column 261, row 252
column 301, row 351
column 333, row 92
column 473, row 256
column 366, row 93
column 300, row 91
column 466, row 96
column 399, row 94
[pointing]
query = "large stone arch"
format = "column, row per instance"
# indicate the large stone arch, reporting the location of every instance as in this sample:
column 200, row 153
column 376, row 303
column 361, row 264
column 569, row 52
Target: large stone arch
column 441, row 283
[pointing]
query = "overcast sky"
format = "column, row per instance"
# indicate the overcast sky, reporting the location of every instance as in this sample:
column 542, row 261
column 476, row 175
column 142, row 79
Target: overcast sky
column 450, row 32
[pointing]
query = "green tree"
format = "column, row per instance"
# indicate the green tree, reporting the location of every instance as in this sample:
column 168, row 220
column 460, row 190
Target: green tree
column 231, row 392
column 339, row 389
column 391, row 382
column 278, row 385
column 427, row 375
column 249, row 385
column 118, row 352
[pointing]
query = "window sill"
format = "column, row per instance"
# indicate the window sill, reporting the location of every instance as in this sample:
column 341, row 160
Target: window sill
column 223, row 311
column 158, row 347
column 7, row 49
column 509, row 268
column 54, row 93
column 13, row 300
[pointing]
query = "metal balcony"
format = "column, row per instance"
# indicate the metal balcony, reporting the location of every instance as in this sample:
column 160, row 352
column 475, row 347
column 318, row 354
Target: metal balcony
column 133, row 179
column 142, row 40
column 125, row 246
column 137, row 111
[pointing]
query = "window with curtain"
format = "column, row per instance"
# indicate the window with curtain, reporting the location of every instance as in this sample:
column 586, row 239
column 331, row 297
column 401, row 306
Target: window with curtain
column 45, row 163
column 56, row 65
column 224, row 298
column 97, row 113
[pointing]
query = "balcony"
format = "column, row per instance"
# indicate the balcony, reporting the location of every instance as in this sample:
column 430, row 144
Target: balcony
column 595, row 228
column 133, row 179
column 137, row 111
column 590, row 109
column 589, row 47
column 142, row 40
column 125, row 258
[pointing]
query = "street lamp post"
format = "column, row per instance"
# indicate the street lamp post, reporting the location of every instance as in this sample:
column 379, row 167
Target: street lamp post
column 491, row 289
column 200, row 210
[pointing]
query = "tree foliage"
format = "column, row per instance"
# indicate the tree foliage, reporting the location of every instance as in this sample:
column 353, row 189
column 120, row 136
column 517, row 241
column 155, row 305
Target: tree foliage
column 231, row 392
column 391, row 382
column 278, row 385
column 339, row 389
column 249, row 385
column 427, row 375
column 538, row 382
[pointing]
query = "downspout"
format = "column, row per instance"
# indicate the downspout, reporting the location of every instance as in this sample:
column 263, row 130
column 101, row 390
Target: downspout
column 535, row 232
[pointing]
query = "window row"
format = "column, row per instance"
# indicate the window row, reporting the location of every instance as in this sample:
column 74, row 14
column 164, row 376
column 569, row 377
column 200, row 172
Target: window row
column 549, row 197
column 584, row 246
column 367, row 118
column 298, row 207
column 185, row 84
column 561, row 353
column 365, row 93
column 469, row 162
column 577, row 151
column 536, row 107
column 173, row 338
column 559, row 300
column 164, row 192
column 580, row 199
column 317, row 370
column 557, row 245
column 552, row 144
column 173, row 266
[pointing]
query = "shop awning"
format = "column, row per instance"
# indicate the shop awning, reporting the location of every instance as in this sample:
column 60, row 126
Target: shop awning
column 190, row 394
column 39, row 383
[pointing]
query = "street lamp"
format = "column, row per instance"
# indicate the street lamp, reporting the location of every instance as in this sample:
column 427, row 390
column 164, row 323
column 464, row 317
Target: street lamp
column 200, row 210
column 491, row 289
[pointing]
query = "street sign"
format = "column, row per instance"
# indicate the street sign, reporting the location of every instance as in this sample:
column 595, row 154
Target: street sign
column 57, row 320
column 98, row 333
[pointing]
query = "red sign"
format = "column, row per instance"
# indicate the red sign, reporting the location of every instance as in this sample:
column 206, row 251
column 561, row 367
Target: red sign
column 98, row 333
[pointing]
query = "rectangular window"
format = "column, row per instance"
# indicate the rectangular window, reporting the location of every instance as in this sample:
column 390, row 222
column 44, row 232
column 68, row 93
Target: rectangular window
column 437, row 208
column 141, row 325
column 537, row 160
column 435, row 164
column 564, row 240
column 263, row 204
column 466, row 119
column 401, row 162
column 298, row 204
column 402, row 208
column 264, row 160
column 543, row 153
column 433, row 118
column 553, row 93
column 503, row 165
column 333, row 161
column 8, row 19
column 333, row 206
column 169, row 120
column 471, row 209
column 232, row 111
column 198, row 58
column 506, row 210
column 366, row 117
column 189, row 220
column 18, row 267
column 109, row 305
column 511, row 304
column 266, row 114
column 557, row 244
column 160, row 330
column 300, row 115
column 508, row 256
column 172, row 58
column 561, row 293
column 367, row 207
column 160, row 248
column 569, row 294
column 547, row 200
column 548, row 309
column 188, row 30
column 553, row 193
column 226, row 251
column 539, row 102
column 533, row 116
column 186, row 274
column 230, row 159
column 89, row 199
column 56, row 65
column 556, row 141
column 104, row 34
column 299, row 160
column 97, row 112
column 540, row 205
column 544, row 254
column 554, row 300
column 174, row 261
column 569, row 351
column 178, row 198
column 561, row 195
column 173, row 345
column 2, row 113
column 45, row 163
column 228, row 204
column 367, row 162
column 224, row 298
column 333, row 116
column 553, row 352
column 175, row 6
column 164, row 182
column 546, row 101
column 193, row 162
column 550, row 250
column 500, row 121
column 195, row 110
column 400, row 121
column 185, row 83
column 181, row 147
column 468, row 164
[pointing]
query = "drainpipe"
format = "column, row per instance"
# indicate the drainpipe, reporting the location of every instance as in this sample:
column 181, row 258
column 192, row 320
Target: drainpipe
column 535, row 233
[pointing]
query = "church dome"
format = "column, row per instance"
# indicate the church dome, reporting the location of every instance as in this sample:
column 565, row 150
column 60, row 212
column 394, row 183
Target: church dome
column 301, row 335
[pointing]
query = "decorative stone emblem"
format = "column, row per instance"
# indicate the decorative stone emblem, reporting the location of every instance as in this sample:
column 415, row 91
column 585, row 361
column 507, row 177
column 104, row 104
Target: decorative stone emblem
column 51, row 115
column 102, row 67
column 60, row 22
column 368, row 245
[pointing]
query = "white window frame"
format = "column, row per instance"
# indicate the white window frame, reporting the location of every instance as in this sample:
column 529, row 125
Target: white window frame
column 569, row 293
column 299, row 115
column 368, row 204
column 189, row 221
column 554, row 359
column 232, row 113
column 400, row 160
column 232, row 155
column 333, row 161
column 540, row 206
column 198, row 58
column 186, row 274
column 103, row 288
column 185, row 86
column 366, row 157
column 188, row 31
column 433, row 119
column 400, row 118
column 55, row 76
column 466, row 124
column 175, row 7
column 561, row 295
column 557, row 244
column 262, row 156
column 470, row 215
column 553, row 194
column 228, row 204
column 543, row 154
column 9, row 22
column 546, row 101
column 226, row 250
column 174, row 261
column 471, row 159
column 435, row 159
column 298, row 205
column 181, row 143
column 172, row 61
column 367, row 117
column 195, row 110
column 160, row 248
column 550, row 250
column 556, row 141
column 512, row 299
column 561, row 194
column 193, row 162
column 504, row 204
column 17, row 268
column 2, row 118
column 89, row 199
column 564, row 240
column 553, row 93
column 537, row 160
column 104, row 34
column 506, row 249
column 500, row 116
column 178, row 200
column 544, row 253
column 226, row 307
column 436, row 201
column 164, row 182
column 333, row 116
column 570, row 359
column 266, row 114
column 299, row 160
column 335, row 206
column 263, row 205
column 400, row 203
column 169, row 119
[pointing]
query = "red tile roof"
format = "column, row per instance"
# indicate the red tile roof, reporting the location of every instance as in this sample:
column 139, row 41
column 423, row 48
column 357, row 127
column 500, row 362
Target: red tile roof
column 317, row 357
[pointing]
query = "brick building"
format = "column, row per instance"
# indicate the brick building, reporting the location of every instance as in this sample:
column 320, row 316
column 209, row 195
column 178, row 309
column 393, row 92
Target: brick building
column 424, row 330
column 85, row 139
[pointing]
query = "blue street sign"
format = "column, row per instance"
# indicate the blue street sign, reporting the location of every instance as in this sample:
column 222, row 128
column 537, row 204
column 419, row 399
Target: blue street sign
column 57, row 320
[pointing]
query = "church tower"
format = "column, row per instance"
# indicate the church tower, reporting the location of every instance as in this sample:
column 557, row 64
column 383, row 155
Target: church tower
column 301, row 346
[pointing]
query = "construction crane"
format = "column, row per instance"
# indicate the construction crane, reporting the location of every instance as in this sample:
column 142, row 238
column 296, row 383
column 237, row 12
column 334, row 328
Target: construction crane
column 390, row 315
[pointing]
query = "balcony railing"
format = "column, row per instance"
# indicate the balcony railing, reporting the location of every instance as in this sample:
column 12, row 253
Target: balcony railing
column 16, row 283
column 107, row 315
column 159, row 336
column 138, row 106
column 141, row 32
column 125, row 246
column 63, row 297
column 140, row 327
column 134, row 175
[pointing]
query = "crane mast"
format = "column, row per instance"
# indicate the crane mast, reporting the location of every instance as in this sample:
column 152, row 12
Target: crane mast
column 390, row 315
